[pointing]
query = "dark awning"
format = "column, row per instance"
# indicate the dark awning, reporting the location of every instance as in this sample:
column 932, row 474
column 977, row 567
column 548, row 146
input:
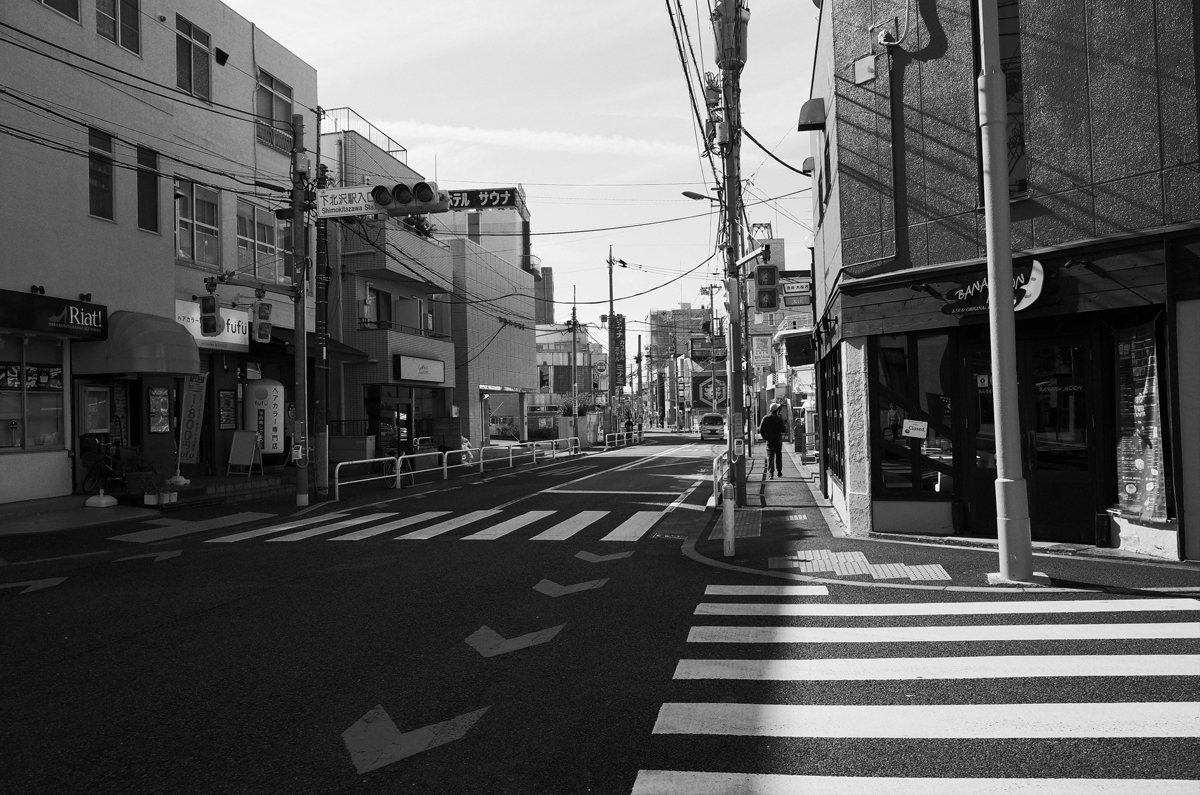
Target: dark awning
column 340, row 349
column 138, row 343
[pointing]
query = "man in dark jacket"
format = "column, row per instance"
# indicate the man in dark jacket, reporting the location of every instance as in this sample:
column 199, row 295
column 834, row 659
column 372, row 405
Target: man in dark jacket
column 772, row 429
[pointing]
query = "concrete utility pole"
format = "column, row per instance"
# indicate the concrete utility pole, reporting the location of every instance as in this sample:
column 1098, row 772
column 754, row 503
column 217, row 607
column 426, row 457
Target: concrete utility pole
column 612, row 347
column 1012, row 499
column 299, row 266
column 321, row 397
column 641, row 409
column 574, row 371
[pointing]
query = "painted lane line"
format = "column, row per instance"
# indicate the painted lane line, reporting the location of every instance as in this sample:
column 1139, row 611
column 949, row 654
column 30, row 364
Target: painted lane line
column 635, row 526
column 506, row 527
column 374, row 741
column 177, row 530
column 905, row 668
column 35, row 585
column 448, row 525
column 934, row 721
column 277, row 528
column 951, row 608
column 593, row 558
column 569, row 527
column 766, row 590
column 300, row 535
column 621, row 491
column 554, row 589
column 156, row 555
column 387, row 527
column 687, row 782
column 953, row 634
column 490, row 643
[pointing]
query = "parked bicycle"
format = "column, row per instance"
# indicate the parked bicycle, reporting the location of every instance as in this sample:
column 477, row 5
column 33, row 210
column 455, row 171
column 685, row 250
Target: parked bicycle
column 406, row 478
column 106, row 463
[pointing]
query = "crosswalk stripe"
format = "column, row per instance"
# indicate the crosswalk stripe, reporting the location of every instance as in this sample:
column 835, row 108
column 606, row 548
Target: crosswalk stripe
column 448, row 525
column 903, row 668
column 506, row 527
column 634, row 527
column 686, row 782
column 766, row 590
column 569, row 527
column 944, row 634
column 333, row 528
column 948, row 608
column 933, row 721
column 276, row 528
column 181, row 527
column 359, row 535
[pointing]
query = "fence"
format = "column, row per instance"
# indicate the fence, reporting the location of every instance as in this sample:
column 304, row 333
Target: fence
column 720, row 474
column 623, row 439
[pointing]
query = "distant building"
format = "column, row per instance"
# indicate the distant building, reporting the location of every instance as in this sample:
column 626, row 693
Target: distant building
column 543, row 292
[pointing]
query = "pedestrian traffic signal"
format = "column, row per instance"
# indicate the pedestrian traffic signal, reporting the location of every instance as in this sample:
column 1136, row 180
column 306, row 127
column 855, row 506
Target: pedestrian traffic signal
column 766, row 284
column 212, row 324
column 410, row 197
column 262, row 322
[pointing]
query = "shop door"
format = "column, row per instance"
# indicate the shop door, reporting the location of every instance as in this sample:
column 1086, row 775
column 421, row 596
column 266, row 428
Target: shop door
column 1060, row 459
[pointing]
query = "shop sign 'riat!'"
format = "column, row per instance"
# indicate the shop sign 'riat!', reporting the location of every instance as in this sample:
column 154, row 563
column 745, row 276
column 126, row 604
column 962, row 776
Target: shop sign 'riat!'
column 77, row 319
column 971, row 297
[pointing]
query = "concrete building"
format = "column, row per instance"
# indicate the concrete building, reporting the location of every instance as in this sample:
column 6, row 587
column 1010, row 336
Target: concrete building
column 543, row 293
column 1104, row 192
column 550, row 410
column 136, row 169
column 670, row 368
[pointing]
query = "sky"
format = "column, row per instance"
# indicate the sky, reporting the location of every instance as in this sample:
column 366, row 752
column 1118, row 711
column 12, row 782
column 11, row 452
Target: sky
column 586, row 105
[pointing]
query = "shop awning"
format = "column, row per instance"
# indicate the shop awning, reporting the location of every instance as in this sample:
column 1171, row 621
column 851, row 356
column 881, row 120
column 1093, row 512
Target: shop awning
column 798, row 346
column 138, row 343
column 340, row 349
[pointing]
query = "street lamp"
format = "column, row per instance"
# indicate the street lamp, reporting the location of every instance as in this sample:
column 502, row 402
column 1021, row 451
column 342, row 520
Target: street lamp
column 700, row 197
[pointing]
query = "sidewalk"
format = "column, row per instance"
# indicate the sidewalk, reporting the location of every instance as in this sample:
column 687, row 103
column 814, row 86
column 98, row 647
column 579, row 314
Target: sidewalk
column 789, row 531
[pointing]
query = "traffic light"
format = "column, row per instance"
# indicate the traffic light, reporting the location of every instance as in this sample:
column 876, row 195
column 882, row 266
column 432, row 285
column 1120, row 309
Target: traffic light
column 212, row 324
column 262, row 321
column 766, row 283
column 410, row 197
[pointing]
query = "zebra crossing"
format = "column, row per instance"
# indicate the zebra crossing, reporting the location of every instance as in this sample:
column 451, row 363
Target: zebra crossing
column 480, row 525
column 807, row 658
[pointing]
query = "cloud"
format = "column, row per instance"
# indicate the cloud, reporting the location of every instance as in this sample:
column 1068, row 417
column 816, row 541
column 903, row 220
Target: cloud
column 535, row 140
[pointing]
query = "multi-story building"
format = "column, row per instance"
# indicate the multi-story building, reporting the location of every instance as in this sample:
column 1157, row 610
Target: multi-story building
column 670, row 368
column 1104, row 196
column 543, row 293
column 145, row 152
column 551, row 412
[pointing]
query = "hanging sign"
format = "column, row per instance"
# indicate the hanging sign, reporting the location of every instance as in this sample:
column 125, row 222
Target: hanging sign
column 914, row 429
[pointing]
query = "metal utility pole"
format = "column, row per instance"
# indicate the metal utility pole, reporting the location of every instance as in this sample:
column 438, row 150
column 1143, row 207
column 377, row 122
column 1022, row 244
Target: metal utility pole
column 612, row 347
column 1012, row 500
column 641, row 406
column 299, row 266
column 574, row 371
column 321, row 398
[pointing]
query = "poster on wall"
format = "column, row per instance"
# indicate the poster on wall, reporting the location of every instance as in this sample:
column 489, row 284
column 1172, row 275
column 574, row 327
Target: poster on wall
column 160, row 410
column 1141, row 480
column 227, row 407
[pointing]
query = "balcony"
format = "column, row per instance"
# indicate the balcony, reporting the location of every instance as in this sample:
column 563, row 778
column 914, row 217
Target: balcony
column 387, row 325
column 387, row 250
column 274, row 137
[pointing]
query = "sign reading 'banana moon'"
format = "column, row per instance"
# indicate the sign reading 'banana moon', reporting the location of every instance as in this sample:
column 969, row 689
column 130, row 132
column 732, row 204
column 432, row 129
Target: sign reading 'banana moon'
column 972, row 298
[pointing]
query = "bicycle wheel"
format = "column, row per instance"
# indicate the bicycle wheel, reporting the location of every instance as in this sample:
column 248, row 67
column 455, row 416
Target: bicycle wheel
column 91, row 481
column 406, row 472
column 389, row 469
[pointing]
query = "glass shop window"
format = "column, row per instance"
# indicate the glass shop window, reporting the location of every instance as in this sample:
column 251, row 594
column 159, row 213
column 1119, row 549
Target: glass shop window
column 31, row 392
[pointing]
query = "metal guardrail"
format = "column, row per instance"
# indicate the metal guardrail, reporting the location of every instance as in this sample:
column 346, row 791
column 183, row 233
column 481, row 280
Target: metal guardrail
column 720, row 470
column 623, row 439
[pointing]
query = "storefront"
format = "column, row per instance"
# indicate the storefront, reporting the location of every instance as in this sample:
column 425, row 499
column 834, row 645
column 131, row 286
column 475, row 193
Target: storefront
column 909, row 414
column 414, row 412
column 36, row 423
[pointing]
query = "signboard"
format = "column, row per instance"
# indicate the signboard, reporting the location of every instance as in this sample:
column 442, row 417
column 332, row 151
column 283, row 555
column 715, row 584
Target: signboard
column 710, row 391
column 76, row 319
column 1141, row 480
column 411, row 368
column 600, row 367
column 617, row 326
column 705, row 349
column 971, row 298
column 159, row 405
column 484, row 198
column 244, row 452
column 914, row 429
column 227, row 409
column 235, row 337
column 338, row 202
column 191, row 417
column 762, row 351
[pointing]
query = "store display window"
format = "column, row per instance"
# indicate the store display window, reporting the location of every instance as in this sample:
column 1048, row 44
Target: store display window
column 31, row 393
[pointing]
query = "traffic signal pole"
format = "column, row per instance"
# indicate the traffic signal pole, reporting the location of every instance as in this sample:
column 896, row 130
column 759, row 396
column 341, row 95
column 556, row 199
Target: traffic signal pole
column 299, row 266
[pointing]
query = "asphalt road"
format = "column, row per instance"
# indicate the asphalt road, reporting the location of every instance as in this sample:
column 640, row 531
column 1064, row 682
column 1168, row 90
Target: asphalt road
column 480, row 658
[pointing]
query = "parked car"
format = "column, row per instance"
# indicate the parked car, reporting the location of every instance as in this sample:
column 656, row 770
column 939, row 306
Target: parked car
column 712, row 426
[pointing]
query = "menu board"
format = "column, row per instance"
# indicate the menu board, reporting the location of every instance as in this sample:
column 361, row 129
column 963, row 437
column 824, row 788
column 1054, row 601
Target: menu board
column 227, row 408
column 1141, row 480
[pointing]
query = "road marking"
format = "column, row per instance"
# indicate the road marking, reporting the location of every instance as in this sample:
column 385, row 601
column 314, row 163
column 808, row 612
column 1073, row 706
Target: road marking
column 359, row 535
column 852, row 564
column 767, row 590
column 568, row 471
column 342, row 525
column 569, row 527
column 686, row 782
column 593, row 558
column 903, row 668
column 177, row 530
column 634, row 527
column 672, row 505
column 490, row 643
column 933, row 721
column 937, row 634
column 448, row 525
column 35, row 585
column 374, row 741
column 156, row 555
column 262, row 531
column 506, row 527
column 623, row 491
column 949, row 608
column 554, row 589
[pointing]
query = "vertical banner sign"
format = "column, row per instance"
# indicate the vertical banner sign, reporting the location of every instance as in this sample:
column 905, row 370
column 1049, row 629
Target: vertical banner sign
column 618, row 352
column 191, row 418
column 1140, row 477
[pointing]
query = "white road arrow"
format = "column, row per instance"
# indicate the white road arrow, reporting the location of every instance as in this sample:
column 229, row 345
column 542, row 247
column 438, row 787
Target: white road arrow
column 490, row 643
column 374, row 741
column 554, row 589
column 34, row 585
column 156, row 555
column 592, row 558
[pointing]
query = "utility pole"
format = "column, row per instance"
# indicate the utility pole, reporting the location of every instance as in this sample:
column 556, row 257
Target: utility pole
column 575, row 371
column 299, row 266
column 612, row 347
column 640, row 405
column 321, row 398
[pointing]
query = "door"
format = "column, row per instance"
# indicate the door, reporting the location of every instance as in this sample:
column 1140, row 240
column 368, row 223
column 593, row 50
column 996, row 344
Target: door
column 1060, row 460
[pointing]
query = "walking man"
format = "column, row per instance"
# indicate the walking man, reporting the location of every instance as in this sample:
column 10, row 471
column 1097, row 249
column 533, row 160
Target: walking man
column 772, row 429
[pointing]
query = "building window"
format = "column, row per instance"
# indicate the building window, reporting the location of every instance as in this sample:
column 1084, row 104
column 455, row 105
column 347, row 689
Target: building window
column 193, row 72
column 147, row 189
column 259, row 253
column 379, row 309
column 31, row 393
column 119, row 21
column 197, row 225
column 68, row 8
column 832, row 428
column 100, row 174
column 273, row 105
